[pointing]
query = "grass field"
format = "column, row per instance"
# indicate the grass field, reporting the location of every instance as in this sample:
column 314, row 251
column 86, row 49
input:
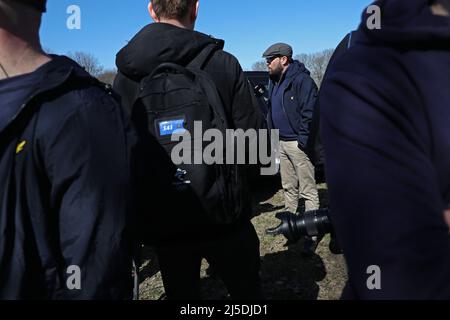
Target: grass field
column 285, row 273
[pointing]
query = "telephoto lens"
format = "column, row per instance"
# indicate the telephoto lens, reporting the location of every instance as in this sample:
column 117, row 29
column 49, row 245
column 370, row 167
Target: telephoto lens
column 309, row 224
column 294, row 227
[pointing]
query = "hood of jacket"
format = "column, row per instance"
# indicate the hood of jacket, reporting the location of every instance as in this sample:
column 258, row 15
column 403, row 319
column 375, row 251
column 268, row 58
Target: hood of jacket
column 159, row 43
column 407, row 24
column 296, row 68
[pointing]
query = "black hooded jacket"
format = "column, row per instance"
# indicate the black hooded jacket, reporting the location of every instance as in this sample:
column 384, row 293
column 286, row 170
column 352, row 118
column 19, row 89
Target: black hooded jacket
column 159, row 42
column 156, row 44
column 64, row 190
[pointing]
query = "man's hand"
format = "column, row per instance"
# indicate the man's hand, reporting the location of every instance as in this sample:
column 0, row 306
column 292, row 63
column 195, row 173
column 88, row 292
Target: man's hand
column 447, row 218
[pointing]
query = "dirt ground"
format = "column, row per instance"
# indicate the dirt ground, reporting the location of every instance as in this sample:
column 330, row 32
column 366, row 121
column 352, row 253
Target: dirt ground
column 285, row 273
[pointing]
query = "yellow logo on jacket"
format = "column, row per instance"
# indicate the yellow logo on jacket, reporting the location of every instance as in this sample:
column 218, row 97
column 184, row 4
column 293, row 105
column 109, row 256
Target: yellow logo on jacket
column 20, row 147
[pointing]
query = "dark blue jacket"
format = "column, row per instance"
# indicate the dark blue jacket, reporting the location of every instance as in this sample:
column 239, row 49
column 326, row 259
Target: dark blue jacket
column 385, row 125
column 300, row 96
column 64, row 194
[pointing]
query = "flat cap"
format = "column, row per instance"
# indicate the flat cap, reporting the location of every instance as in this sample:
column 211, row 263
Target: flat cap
column 278, row 49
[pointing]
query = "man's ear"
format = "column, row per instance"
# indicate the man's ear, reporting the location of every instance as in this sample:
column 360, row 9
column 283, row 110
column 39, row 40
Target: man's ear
column 284, row 61
column 194, row 12
column 152, row 12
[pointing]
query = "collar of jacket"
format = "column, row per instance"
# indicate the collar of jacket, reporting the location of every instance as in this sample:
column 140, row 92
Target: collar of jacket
column 55, row 74
column 295, row 68
column 159, row 43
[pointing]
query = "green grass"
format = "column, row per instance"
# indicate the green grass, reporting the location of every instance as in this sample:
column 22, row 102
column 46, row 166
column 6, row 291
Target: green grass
column 285, row 273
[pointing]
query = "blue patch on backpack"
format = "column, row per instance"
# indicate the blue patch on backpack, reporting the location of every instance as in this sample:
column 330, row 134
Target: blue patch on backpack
column 170, row 127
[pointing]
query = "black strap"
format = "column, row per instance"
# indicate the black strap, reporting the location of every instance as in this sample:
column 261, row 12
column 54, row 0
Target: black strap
column 200, row 61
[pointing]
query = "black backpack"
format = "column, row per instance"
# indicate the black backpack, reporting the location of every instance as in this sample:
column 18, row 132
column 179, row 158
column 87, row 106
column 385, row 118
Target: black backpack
column 170, row 100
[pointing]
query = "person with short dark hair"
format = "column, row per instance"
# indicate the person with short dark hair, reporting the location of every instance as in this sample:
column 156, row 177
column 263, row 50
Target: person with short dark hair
column 385, row 126
column 232, row 249
column 64, row 172
column 172, row 9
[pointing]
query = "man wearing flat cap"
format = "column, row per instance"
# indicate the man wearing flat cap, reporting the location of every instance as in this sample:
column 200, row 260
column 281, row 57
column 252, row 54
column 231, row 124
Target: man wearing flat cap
column 293, row 94
column 64, row 173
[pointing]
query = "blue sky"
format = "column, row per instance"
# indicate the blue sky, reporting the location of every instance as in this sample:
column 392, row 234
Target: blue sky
column 247, row 26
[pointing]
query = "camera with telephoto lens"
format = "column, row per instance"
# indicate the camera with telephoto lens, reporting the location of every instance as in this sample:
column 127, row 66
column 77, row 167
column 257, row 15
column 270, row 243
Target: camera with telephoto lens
column 309, row 224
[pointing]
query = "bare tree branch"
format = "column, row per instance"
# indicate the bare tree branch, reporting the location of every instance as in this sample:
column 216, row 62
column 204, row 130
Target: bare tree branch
column 259, row 66
column 107, row 76
column 316, row 63
column 88, row 61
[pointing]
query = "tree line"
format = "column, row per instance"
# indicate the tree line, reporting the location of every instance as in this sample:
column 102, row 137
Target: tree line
column 316, row 63
column 92, row 65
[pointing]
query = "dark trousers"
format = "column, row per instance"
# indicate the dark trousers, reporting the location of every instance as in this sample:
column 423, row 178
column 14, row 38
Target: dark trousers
column 234, row 257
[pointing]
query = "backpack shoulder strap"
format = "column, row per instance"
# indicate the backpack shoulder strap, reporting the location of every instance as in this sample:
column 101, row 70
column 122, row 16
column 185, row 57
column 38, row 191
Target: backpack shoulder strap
column 203, row 57
column 196, row 66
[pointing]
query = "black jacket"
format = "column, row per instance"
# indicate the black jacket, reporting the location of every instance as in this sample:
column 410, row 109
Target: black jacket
column 299, row 99
column 159, row 43
column 64, row 195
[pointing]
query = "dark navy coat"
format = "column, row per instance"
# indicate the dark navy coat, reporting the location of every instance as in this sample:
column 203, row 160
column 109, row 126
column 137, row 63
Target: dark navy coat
column 385, row 111
column 64, row 191
column 299, row 100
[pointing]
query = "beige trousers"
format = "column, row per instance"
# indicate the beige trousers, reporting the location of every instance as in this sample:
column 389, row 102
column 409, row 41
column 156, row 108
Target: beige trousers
column 297, row 176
